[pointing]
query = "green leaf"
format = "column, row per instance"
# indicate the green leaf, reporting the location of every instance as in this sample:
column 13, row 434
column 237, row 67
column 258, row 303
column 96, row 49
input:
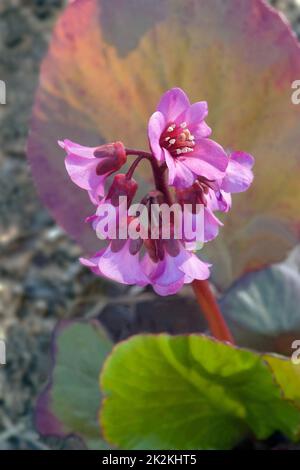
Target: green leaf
column 263, row 307
column 190, row 392
column 287, row 375
column 70, row 403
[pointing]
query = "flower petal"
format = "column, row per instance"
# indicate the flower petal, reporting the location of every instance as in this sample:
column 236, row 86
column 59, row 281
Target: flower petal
column 156, row 126
column 220, row 201
column 122, row 266
column 168, row 271
column 173, row 103
column 239, row 175
column 171, row 289
column 153, row 271
column 208, row 159
column 93, row 262
column 194, row 268
column 97, row 191
column 168, row 276
column 195, row 114
column 211, row 225
column 82, row 171
column 184, row 177
column 171, row 166
column 201, row 130
column 193, row 227
column 194, row 117
column 77, row 149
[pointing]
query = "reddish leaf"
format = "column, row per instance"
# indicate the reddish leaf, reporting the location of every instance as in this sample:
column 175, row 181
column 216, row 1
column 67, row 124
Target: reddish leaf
column 108, row 64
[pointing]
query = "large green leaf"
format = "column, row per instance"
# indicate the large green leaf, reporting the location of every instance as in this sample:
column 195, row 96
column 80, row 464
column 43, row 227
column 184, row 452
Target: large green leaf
column 108, row 64
column 190, row 392
column 71, row 400
column 263, row 308
column 287, row 375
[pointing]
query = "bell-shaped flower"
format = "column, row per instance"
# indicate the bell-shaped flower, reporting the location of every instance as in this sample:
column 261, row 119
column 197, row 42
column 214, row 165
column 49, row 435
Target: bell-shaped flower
column 178, row 136
column 112, row 209
column 88, row 167
column 216, row 195
column 169, row 265
column 166, row 264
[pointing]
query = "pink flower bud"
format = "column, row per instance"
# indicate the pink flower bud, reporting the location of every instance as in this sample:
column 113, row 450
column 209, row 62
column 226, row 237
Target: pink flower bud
column 88, row 167
column 111, row 157
column 122, row 187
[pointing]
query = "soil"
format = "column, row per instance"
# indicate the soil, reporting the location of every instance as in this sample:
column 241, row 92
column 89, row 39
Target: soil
column 41, row 280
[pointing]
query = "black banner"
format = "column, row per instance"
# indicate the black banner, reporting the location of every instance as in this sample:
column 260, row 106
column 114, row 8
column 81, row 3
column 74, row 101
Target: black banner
column 135, row 459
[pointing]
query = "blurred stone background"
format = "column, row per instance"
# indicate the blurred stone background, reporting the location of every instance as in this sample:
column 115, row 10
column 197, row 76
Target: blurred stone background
column 41, row 279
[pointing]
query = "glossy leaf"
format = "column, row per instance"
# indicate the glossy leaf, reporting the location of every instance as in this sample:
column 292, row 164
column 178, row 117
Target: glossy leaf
column 287, row 375
column 110, row 61
column 69, row 404
column 262, row 308
column 190, row 392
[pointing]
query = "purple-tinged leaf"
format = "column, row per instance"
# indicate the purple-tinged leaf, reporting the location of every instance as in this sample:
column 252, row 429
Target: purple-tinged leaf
column 110, row 61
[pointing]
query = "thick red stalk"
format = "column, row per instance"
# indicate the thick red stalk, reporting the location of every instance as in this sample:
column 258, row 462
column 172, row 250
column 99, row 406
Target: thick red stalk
column 211, row 311
column 202, row 290
column 132, row 168
column 158, row 171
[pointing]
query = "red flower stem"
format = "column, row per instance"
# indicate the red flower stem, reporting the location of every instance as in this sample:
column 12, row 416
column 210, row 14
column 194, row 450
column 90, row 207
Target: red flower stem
column 203, row 293
column 211, row 311
column 132, row 168
column 139, row 153
column 158, row 171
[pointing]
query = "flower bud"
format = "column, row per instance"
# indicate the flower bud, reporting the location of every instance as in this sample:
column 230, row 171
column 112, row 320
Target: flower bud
column 122, row 187
column 88, row 167
column 111, row 157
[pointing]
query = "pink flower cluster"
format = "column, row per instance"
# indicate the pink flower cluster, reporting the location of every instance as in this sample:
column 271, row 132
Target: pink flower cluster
column 182, row 156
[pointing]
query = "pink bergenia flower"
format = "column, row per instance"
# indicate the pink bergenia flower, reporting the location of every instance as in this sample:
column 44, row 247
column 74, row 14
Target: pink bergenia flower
column 178, row 136
column 120, row 262
column 121, row 186
column 88, row 167
column 216, row 195
column 171, row 266
column 201, row 172
column 93, row 262
column 165, row 264
column 201, row 193
column 239, row 175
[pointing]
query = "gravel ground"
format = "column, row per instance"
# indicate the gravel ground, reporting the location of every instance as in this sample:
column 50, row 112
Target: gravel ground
column 41, row 280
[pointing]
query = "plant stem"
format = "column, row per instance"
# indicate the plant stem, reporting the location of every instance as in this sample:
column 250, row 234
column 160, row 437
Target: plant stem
column 132, row 168
column 203, row 293
column 139, row 153
column 211, row 311
column 158, row 171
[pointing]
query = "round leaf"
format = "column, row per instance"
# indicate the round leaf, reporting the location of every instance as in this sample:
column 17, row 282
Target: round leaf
column 110, row 61
column 71, row 400
column 263, row 306
column 189, row 392
column 287, row 375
